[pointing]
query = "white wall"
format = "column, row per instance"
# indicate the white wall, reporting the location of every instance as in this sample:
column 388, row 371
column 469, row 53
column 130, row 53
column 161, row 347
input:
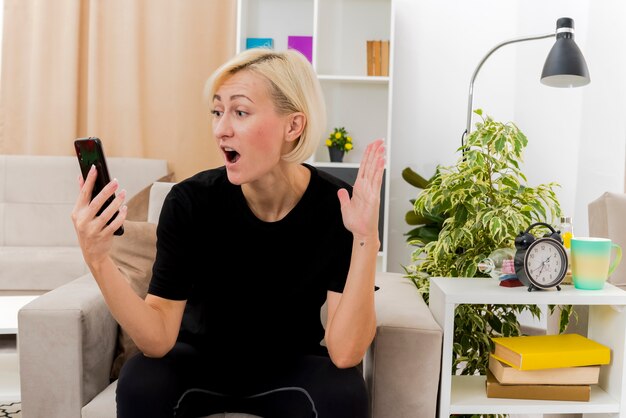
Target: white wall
column 576, row 137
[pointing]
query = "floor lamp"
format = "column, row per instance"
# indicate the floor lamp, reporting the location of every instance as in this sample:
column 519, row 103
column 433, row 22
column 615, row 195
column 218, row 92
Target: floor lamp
column 565, row 65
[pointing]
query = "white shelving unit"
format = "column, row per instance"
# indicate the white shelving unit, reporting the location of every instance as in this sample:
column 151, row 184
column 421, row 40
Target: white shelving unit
column 607, row 325
column 360, row 103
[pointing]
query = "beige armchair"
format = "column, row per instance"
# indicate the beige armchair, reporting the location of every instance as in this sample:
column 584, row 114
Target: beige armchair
column 68, row 338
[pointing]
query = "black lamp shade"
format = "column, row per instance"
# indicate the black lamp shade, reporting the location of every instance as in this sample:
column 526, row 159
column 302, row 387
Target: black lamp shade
column 565, row 65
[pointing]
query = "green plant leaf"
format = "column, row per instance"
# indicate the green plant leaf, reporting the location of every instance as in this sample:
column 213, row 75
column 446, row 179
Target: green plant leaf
column 420, row 218
column 413, row 218
column 425, row 234
column 414, row 179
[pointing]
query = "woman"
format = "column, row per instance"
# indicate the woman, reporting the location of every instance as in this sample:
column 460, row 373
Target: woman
column 234, row 323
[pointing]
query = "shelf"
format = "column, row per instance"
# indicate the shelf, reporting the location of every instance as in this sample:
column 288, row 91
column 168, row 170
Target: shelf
column 468, row 397
column 335, row 165
column 354, row 79
column 258, row 18
column 340, row 30
column 607, row 325
column 343, row 27
column 480, row 291
column 360, row 107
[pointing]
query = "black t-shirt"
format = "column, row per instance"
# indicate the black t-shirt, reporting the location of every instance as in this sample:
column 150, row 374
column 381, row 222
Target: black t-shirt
column 253, row 288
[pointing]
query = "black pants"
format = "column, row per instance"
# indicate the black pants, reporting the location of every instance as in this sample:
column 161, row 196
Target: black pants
column 182, row 384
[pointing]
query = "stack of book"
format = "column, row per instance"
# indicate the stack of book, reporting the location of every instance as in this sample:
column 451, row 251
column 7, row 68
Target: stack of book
column 548, row 367
column 378, row 58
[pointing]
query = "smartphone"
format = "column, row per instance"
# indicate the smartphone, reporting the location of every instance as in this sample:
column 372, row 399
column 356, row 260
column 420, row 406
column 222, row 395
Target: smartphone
column 90, row 152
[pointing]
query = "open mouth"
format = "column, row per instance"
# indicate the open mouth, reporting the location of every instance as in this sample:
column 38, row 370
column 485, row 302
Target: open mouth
column 231, row 155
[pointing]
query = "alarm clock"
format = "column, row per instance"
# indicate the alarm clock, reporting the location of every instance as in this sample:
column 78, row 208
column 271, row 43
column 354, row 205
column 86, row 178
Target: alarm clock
column 540, row 263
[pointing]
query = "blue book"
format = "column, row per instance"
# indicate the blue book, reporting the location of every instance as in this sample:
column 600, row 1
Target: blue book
column 259, row 43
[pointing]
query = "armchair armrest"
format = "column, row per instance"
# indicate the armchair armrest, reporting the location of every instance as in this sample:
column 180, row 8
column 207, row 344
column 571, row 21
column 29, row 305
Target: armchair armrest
column 66, row 345
column 403, row 364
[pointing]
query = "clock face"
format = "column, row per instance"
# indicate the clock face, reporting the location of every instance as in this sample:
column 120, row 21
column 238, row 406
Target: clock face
column 545, row 263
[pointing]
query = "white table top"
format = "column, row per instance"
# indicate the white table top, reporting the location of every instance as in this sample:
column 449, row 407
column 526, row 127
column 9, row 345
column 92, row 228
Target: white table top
column 9, row 307
column 484, row 290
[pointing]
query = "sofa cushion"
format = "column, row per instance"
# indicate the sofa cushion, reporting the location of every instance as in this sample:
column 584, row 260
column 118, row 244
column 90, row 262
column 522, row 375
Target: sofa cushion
column 103, row 405
column 134, row 254
column 39, row 268
column 138, row 204
column 158, row 193
column 38, row 195
column 38, row 224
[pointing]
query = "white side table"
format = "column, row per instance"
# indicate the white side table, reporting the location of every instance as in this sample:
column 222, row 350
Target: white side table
column 607, row 325
column 9, row 365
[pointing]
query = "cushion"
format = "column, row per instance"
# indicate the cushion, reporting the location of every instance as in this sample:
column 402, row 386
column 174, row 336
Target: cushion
column 138, row 204
column 134, row 253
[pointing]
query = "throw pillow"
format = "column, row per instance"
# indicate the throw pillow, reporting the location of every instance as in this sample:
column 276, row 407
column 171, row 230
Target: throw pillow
column 134, row 253
column 138, row 204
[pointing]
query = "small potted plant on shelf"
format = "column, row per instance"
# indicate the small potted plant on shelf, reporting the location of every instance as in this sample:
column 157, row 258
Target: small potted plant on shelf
column 338, row 143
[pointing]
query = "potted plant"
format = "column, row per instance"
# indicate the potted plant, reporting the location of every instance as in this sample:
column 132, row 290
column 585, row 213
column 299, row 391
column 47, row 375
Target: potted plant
column 338, row 143
column 476, row 206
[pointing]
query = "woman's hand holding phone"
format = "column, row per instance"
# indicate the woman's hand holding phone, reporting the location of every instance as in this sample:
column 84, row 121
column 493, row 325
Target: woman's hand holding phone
column 95, row 231
column 97, row 215
column 90, row 152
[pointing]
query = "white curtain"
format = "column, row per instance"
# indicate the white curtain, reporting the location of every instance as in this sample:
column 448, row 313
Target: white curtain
column 128, row 71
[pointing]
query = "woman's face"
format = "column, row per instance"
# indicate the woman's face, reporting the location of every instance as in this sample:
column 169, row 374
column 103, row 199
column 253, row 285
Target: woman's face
column 249, row 132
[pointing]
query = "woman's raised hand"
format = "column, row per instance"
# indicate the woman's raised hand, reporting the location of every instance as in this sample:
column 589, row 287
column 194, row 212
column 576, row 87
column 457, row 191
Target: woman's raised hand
column 360, row 213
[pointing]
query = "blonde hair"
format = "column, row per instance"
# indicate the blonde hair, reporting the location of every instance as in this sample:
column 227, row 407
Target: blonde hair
column 293, row 86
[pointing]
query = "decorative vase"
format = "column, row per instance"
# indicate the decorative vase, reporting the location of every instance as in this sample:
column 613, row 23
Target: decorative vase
column 336, row 154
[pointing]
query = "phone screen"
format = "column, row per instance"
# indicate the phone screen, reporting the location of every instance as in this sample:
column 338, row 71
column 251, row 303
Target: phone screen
column 90, row 152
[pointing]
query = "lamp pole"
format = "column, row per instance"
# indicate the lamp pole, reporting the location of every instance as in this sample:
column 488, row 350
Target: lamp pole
column 470, row 99
column 565, row 65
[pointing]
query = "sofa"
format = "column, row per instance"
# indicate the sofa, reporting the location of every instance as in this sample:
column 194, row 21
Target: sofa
column 70, row 378
column 38, row 246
